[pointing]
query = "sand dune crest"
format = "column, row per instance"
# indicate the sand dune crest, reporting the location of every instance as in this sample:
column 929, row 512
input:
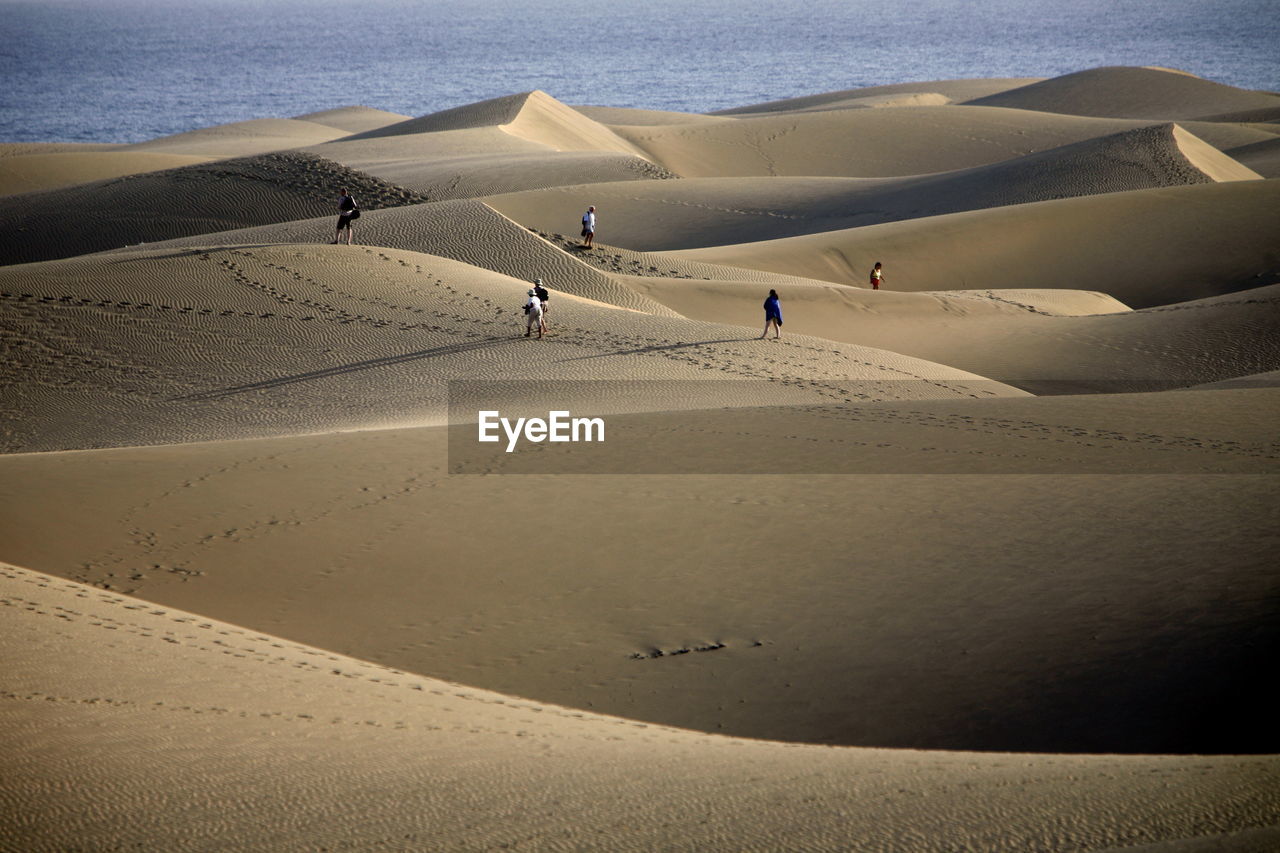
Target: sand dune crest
column 534, row 116
column 1130, row 93
column 955, row 90
column 698, row 212
column 890, row 142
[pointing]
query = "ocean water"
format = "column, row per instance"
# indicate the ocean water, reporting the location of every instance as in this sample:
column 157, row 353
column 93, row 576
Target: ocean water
column 130, row 70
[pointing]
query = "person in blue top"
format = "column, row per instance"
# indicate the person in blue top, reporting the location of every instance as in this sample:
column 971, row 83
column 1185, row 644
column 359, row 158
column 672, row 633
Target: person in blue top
column 772, row 314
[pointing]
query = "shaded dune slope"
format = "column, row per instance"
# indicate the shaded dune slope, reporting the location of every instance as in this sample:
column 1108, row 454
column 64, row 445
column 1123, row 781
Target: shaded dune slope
column 695, row 213
column 198, row 199
column 267, row 743
column 1073, row 637
column 1131, row 93
column 1119, row 244
column 1262, row 157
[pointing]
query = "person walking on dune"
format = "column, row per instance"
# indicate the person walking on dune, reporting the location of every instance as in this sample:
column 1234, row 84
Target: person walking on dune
column 589, row 227
column 533, row 314
column 772, row 315
column 544, row 297
column 347, row 211
column 877, row 276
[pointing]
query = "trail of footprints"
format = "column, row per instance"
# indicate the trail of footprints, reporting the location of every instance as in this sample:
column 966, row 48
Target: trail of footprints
column 796, row 363
column 1082, row 436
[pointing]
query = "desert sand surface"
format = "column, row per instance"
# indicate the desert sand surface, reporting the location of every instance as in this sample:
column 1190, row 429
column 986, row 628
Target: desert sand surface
column 321, row 740
column 981, row 560
column 56, row 169
column 952, row 90
column 155, row 206
column 1116, row 242
column 1263, row 157
column 700, row 212
column 1131, row 93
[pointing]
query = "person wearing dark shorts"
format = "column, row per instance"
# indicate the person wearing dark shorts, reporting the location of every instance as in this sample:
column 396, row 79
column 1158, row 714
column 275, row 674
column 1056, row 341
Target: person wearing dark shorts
column 589, row 227
column 772, row 315
column 347, row 211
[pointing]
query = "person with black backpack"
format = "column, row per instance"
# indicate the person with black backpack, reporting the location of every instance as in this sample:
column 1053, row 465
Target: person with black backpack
column 347, row 211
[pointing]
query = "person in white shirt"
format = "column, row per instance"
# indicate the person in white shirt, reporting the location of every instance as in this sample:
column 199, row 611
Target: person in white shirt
column 589, row 226
column 544, row 296
column 533, row 314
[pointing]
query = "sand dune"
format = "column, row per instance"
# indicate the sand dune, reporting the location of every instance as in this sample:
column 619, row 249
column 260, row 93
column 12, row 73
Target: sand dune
column 1264, row 115
column 477, row 175
column 954, row 90
column 174, row 345
column 207, row 735
column 491, row 113
column 1094, row 345
column 466, row 231
column 22, row 149
column 244, row 138
column 1056, row 612
column 198, row 199
column 1131, row 93
column 638, row 117
column 862, row 143
column 533, row 116
column 276, row 595
column 1269, row 379
column 354, row 119
column 1262, row 157
column 35, row 172
column 890, row 142
column 1146, row 248
column 695, row 212
column 514, row 143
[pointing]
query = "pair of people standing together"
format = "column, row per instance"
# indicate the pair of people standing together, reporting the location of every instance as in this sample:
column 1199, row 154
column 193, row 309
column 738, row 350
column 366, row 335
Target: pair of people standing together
column 535, row 310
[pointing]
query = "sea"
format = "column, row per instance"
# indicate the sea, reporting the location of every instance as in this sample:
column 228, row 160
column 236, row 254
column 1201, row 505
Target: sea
column 118, row 71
